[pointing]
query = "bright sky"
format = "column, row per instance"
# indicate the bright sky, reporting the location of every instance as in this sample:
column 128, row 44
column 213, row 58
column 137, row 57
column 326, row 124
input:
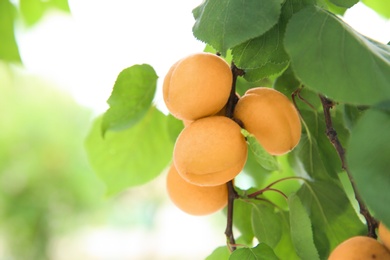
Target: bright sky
column 85, row 52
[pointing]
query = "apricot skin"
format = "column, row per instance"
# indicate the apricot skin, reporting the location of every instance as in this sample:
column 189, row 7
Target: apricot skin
column 197, row 86
column 360, row 248
column 210, row 151
column 384, row 235
column 271, row 117
column 193, row 199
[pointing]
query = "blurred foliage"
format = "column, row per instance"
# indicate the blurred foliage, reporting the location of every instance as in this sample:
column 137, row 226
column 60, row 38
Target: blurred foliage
column 27, row 11
column 45, row 181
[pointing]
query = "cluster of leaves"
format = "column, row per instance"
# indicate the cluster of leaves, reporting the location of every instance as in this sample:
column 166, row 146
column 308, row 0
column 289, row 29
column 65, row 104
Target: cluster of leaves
column 28, row 11
column 304, row 203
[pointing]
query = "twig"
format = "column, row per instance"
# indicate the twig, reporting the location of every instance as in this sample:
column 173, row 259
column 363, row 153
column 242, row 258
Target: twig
column 331, row 133
column 232, row 194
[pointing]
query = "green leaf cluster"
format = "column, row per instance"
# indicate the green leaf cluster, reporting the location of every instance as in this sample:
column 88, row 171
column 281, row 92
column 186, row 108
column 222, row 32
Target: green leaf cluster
column 295, row 206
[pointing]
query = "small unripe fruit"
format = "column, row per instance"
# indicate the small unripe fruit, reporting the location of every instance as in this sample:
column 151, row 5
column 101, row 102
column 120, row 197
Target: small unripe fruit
column 193, row 199
column 210, row 151
column 360, row 248
column 271, row 117
column 384, row 235
column 197, row 86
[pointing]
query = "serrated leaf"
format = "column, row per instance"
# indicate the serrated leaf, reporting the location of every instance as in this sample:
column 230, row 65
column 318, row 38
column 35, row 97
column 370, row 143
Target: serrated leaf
column 265, row 159
column 220, row 253
column 131, row 157
column 332, row 216
column 131, row 97
column 9, row 50
column 260, row 252
column 301, row 230
column 266, row 224
column 368, row 159
column 333, row 59
column 225, row 24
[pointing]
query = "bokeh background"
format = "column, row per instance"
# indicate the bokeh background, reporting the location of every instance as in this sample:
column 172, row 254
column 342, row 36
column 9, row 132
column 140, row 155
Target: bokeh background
column 52, row 205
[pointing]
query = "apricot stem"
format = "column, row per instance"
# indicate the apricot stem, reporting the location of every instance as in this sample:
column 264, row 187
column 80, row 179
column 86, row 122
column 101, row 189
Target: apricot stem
column 331, row 133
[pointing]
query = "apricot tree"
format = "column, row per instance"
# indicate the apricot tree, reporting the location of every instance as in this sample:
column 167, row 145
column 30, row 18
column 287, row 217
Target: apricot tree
column 285, row 93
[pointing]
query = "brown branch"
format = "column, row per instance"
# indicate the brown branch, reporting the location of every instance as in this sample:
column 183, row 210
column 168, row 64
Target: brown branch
column 331, row 133
column 232, row 194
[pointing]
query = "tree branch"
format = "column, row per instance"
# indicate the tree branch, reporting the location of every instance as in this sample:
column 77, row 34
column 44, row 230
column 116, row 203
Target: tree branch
column 331, row 133
column 232, row 194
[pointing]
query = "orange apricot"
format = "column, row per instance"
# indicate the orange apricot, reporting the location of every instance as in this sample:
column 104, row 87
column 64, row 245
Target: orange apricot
column 384, row 235
column 197, row 86
column 271, row 117
column 360, row 248
column 193, row 199
column 210, row 151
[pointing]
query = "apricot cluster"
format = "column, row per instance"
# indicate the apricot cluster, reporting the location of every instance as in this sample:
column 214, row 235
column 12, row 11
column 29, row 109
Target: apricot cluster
column 364, row 247
column 211, row 150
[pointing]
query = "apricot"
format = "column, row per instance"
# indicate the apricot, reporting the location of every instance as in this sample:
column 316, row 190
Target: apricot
column 210, row 151
column 271, row 117
column 384, row 235
column 197, row 86
column 360, row 248
column 193, row 199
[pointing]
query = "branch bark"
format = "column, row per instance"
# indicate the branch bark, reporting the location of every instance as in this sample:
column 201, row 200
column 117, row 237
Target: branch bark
column 331, row 133
column 232, row 194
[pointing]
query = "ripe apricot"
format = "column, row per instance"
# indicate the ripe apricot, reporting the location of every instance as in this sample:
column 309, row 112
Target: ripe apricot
column 210, row 151
column 271, row 117
column 197, row 86
column 360, row 248
column 384, row 235
column 193, row 199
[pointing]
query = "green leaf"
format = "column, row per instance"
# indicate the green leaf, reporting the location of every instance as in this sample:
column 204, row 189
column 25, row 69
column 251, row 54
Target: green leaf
column 265, row 159
column 315, row 156
column 220, row 253
column 62, row 5
column 332, row 216
column 266, row 224
column 331, row 58
column 9, row 50
column 32, row 10
column 257, row 52
column 301, row 230
column 381, row 7
column 131, row 157
column 268, row 70
column 285, row 246
column 225, row 24
column 260, row 252
column 368, row 159
column 344, row 3
column 174, row 127
column 242, row 211
column 131, row 97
